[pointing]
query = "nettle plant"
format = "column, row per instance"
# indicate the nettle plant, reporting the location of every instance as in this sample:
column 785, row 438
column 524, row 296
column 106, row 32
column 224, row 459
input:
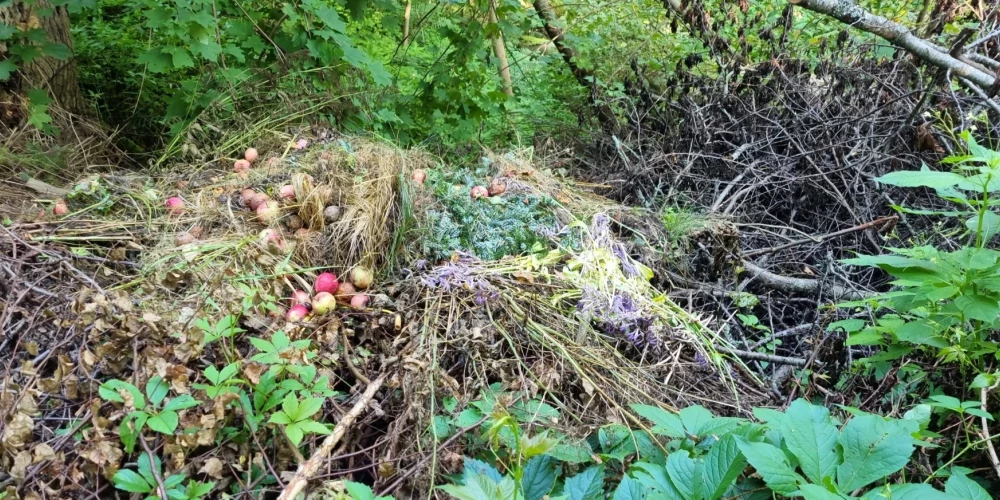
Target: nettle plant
column 693, row 455
column 944, row 301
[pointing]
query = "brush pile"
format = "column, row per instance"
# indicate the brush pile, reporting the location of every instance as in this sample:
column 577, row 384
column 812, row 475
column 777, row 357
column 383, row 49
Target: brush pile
column 329, row 287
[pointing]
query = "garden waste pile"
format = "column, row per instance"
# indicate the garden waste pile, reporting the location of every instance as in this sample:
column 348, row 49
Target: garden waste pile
column 334, row 293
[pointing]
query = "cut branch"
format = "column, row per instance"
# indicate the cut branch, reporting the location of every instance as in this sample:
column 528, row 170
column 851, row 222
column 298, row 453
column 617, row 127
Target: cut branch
column 308, row 469
column 799, row 285
column 847, row 12
column 503, row 67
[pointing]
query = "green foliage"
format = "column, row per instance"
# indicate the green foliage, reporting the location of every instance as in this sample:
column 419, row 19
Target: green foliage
column 489, row 228
column 144, row 482
column 297, row 417
column 946, row 302
column 149, row 409
column 803, row 452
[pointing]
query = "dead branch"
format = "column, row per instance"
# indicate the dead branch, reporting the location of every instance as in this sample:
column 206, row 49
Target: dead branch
column 308, row 469
column 821, row 238
column 851, row 14
column 799, row 285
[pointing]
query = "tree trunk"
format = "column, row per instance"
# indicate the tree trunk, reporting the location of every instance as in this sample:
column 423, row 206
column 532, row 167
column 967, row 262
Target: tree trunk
column 57, row 77
column 501, row 53
column 548, row 16
column 406, row 22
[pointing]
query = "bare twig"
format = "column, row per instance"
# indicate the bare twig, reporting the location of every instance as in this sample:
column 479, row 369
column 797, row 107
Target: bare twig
column 161, row 489
column 308, row 469
column 820, row 239
column 798, row 285
column 986, row 431
column 760, row 356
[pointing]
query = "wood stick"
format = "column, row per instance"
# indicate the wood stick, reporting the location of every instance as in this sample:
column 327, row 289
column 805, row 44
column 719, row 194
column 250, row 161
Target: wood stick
column 308, row 469
column 820, row 239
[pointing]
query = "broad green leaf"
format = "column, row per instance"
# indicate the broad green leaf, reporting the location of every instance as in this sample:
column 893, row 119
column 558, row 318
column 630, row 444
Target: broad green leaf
column 290, row 405
column 309, row 406
column 811, row 436
column 312, row 427
column 684, row 474
column 816, row 492
column 906, row 492
column 173, row 480
column 978, row 307
column 294, row 433
column 772, row 465
column 629, row 489
column 921, row 332
column 538, row 477
column 695, row 418
column 723, row 464
column 7, row 68
column 616, row 441
column 921, row 178
column 991, row 224
column 359, row 491
column 665, row 423
column 165, row 422
column 56, row 51
column 574, row 452
column 873, row 448
column 7, row 31
column 963, row 488
column 130, row 481
column 262, row 345
column 279, row 418
column 587, row 485
column 473, row 467
column 655, row 476
column 181, row 402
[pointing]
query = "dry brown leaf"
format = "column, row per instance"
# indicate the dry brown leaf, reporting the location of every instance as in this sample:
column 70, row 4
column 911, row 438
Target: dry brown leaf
column 32, row 348
column 103, row 453
column 212, row 467
column 21, row 462
column 18, row 432
column 253, row 371
column 44, row 452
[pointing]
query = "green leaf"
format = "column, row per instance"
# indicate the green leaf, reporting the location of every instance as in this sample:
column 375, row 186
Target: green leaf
column 665, row 423
column 629, row 489
column 294, row 433
column 164, row 423
column 156, row 389
column 723, row 464
column 7, row 68
column 684, row 474
column 873, row 448
column 290, row 405
column 181, row 402
column 978, row 307
column 772, row 465
column 130, row 481
column 56, row 51
column 810, row 435
column 308, row 407
column 7, row 31
column 816, row 492
column 359, row 491
column 921, row 178
column 279, row 418
column 991, row 224
column 587, row 485
column 538, row 477
column 312, row 427
column 963, row 488
column 655, row 476
column 156, row 60
column 906, row 492
column 180, row 57
column 921, row 332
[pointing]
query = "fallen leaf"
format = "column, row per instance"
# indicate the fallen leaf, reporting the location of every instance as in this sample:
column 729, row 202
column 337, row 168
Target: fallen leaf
column 21, row 462
column 212, row 467
column 18, row 432
column 44, row 452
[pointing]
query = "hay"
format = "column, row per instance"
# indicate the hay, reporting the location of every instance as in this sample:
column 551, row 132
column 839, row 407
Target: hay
column 580, row 327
